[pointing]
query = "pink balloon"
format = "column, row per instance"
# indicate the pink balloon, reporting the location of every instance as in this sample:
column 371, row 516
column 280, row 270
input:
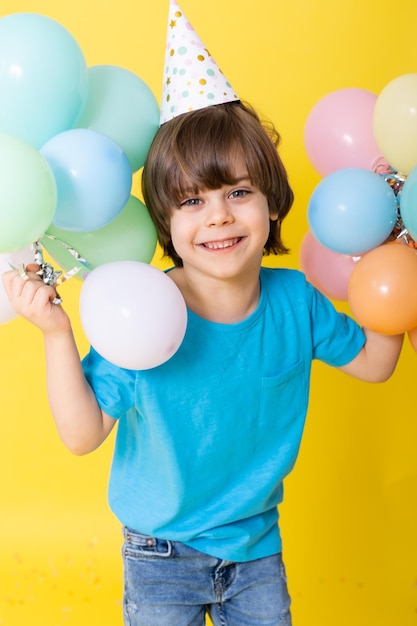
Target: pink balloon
column 133, row 314
column 339, row 132
column 327, row 270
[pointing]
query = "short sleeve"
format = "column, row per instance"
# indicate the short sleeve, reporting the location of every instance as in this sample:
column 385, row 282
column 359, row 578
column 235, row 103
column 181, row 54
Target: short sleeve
column 114, row 387
column 337, row 338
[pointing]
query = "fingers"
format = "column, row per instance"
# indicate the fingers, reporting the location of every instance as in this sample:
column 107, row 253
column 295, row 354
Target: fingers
column 56, row 299
column 22, row 272
column 22, row 287
column 35, row 300
column 11, row 278
column 32, row 267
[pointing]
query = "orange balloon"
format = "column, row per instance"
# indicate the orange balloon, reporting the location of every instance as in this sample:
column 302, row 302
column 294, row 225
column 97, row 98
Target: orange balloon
column 412, row 336
column 382, row 291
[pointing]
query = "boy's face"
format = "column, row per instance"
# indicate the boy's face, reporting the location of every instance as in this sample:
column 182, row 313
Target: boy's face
column 222, row 232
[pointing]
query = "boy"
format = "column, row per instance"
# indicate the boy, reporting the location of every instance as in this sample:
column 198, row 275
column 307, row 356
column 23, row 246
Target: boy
column 205, row 440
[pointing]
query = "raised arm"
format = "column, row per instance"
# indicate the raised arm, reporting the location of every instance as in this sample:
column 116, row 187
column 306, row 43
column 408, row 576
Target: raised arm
column 376, row 361
column 81, row 424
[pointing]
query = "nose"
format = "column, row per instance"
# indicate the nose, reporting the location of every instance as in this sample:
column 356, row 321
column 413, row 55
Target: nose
column 218, row 212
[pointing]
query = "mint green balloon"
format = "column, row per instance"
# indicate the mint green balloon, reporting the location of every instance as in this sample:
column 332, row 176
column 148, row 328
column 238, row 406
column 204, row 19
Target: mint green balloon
column 131, row 236
column 122, row 106
column 43, row 77
column 28, row 194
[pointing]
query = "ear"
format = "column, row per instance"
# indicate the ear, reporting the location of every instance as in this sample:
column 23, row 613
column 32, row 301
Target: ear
column 273, row 216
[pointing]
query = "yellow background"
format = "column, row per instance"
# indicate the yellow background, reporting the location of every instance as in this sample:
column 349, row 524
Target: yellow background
column 349, row 518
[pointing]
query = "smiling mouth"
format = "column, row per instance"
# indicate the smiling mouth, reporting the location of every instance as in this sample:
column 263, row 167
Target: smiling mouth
column 221, row 245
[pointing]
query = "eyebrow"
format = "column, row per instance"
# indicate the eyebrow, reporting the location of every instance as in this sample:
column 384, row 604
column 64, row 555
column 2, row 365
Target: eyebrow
column 239, row 179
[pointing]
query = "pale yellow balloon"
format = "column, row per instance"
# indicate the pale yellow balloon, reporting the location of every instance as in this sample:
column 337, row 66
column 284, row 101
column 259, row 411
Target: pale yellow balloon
column 395, row 122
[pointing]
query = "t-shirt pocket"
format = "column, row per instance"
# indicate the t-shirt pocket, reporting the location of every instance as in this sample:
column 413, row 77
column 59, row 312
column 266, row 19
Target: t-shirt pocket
column 284, row 397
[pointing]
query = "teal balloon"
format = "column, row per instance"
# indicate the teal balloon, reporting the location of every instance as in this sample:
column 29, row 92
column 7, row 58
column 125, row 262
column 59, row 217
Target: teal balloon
column 131, row 236
column 408, row 203
column 121, row 105
column 28, row 194
column 43, row 77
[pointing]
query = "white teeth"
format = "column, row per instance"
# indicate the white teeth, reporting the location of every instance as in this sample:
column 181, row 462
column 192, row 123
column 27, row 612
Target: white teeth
column 219, row 245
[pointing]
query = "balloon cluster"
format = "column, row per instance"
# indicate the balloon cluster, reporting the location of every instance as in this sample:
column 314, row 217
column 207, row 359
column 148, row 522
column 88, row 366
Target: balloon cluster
column 71, row 138
column 362, row 215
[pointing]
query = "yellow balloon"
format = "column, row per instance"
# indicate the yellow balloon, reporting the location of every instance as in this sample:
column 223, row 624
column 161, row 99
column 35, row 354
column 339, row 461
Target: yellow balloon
column 395, row 122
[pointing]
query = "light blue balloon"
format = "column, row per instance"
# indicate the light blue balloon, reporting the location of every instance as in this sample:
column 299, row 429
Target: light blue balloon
column 43, row 77
column 352, row 211
column 408, row 203
column 93, row 177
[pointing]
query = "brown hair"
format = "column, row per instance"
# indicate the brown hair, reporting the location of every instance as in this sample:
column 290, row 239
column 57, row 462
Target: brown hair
column 196, row 151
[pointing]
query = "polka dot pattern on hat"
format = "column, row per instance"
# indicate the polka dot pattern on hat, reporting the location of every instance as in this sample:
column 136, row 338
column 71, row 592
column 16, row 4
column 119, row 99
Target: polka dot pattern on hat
column 192, row 79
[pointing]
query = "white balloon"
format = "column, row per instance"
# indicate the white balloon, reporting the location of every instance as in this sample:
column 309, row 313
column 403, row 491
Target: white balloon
column 7, row 260
column 133, row 314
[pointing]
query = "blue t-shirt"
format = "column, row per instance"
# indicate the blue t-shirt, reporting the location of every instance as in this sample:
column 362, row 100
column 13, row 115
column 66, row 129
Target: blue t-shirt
column 205, row 440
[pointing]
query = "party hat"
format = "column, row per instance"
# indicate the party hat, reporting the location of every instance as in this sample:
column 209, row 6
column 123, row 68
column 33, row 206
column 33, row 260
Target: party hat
column 192, row 79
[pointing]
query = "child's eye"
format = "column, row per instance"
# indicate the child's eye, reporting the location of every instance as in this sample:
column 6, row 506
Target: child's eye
column 239, row 193
column 191, row 202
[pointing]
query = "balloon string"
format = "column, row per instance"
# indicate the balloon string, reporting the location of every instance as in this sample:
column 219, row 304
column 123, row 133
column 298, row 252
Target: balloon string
column 77, row 256
column 396, row 181
column 49, row 275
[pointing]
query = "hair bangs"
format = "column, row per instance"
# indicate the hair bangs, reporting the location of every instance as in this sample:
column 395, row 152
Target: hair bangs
column 207, row 163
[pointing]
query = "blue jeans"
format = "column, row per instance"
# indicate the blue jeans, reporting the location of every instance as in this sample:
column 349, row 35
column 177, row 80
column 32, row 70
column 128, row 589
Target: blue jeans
column 170, row 584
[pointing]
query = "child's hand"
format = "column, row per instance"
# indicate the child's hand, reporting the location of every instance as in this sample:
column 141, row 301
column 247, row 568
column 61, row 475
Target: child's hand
column 34, row 300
